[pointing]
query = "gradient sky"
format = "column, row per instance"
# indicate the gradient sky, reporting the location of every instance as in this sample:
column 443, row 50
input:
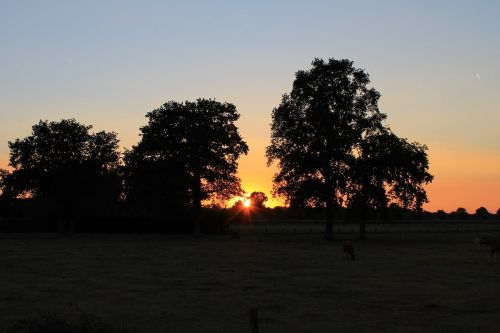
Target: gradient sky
column 107, row 63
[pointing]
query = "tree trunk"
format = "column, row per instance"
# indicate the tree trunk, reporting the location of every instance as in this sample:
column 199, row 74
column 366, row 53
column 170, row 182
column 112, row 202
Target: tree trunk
column 71, row 226
column 254, row 320
column 197, row 207
column 62, row 225
column 329, row 221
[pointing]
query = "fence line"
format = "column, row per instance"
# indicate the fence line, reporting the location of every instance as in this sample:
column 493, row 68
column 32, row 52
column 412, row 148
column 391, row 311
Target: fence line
column 317, row 226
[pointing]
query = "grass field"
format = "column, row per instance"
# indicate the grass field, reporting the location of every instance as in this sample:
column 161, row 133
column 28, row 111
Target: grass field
column 401, row 227
column 148, row 283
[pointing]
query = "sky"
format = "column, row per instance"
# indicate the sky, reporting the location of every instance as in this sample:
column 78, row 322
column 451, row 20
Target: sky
column 108, row 63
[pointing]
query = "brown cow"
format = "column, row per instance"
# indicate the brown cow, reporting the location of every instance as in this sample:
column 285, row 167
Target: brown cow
column 494, row 250
column 348, row 250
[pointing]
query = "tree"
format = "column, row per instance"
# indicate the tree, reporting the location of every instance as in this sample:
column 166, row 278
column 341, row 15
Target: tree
column 441, row 214
column 200, row 141
column 315, row 131
column 461, row 213
column 482, row 213
column 258, row 199
column 387, row 169
column 4, row 195
column 4, row 186
column 66, row 166
column 498, row 212
column 157, row 187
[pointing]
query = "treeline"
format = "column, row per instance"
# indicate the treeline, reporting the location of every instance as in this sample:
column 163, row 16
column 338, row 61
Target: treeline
column 329, row 139
column 462, row 214
column 187, row 155
column 29, row 215
column 32, row 215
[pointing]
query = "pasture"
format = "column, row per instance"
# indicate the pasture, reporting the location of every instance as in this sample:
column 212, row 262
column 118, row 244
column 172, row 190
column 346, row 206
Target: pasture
column 155, row 283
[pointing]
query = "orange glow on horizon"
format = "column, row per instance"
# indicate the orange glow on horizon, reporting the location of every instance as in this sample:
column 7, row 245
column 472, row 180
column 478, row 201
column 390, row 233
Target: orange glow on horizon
column 463, row 178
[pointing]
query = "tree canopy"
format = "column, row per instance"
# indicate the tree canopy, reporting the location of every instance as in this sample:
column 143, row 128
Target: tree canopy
column 324, row 135
column 461, row 213
column 441, row 214
column 198, row 144
column 64, row 163
column 482, row 213
column 387, row 169
column 157, row 187
column 258, row 199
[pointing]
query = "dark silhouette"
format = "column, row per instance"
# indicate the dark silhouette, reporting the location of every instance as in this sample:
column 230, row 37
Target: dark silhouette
column 317, row 132
column 66, row 168
column 5, row 188
column 197, row 144
column 348, row 250
column 258, row 199
column 494, row 250
column 238, row 204
column 387, row 168
column 461, row 213
column 254, row 320
column 155, row 188
column 441, row 214
column 482, row 213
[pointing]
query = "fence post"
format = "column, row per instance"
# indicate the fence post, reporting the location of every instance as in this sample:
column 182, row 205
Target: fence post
column 254, row 320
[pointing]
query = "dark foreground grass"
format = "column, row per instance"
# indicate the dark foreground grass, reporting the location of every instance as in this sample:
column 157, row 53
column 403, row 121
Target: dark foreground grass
column 423, row 283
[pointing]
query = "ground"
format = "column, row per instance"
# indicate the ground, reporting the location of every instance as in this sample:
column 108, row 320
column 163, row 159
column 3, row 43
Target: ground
column 151, row 283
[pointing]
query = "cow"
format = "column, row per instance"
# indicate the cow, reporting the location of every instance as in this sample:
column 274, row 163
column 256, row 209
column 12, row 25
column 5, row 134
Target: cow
column 494, row 250
column 348, row 250
column 484, row 240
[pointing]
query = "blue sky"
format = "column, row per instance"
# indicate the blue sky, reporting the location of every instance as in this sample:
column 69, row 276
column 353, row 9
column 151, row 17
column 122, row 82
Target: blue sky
column 107, row 63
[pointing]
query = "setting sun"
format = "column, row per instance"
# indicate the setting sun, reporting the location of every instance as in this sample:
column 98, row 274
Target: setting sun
column 247, row 202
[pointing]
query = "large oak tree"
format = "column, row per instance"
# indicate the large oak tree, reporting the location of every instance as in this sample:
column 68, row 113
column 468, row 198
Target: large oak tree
column 316, row 135
column 199, row 142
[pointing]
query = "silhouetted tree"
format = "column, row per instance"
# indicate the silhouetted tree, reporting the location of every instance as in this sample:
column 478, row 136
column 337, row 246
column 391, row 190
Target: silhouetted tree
column 258, row 199
column 159, row 187
column 396, row 212
column 498, row 212
column 200, row 143
column 461, row 213
column 65, row 166
column 315, row 130
column 238, row 204
column 441, row 214
column 4, row 186
column 482, row 213
column 4, row 197
column 387, row 169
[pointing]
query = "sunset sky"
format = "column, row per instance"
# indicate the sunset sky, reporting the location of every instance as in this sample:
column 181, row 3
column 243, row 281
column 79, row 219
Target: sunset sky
column 107, row 63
